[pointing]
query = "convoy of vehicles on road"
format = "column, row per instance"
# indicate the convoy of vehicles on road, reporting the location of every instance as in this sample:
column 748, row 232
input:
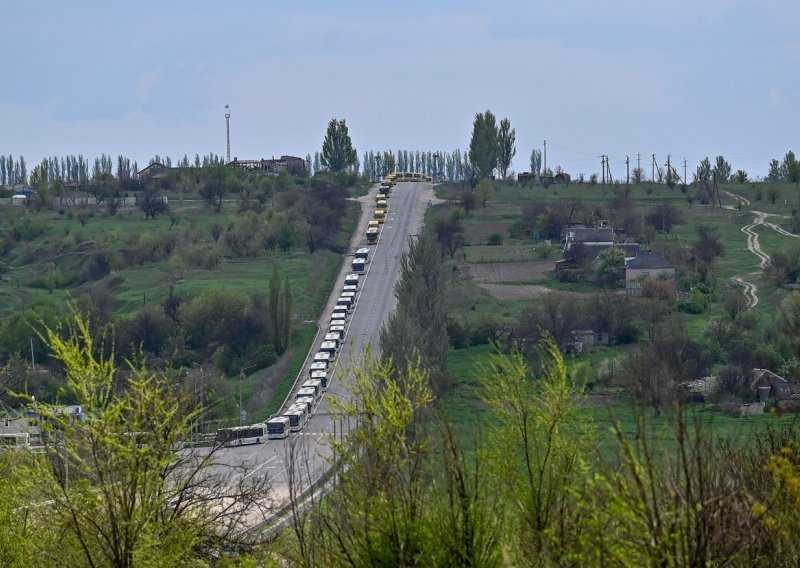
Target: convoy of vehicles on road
column 310, row 392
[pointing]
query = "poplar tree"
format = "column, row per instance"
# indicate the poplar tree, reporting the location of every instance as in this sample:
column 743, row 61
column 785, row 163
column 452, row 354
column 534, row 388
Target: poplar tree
column 483, row 147
column 337, row 149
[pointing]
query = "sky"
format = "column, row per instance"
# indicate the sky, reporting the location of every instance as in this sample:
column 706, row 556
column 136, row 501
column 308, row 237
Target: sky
column 626, row 77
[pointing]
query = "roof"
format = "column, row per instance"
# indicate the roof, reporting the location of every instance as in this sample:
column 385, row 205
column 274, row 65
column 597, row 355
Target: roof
column 595, row 235
column 650, row 262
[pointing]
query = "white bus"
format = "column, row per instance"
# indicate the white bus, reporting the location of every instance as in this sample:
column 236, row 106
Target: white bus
column 339, row 313
column 335, row 336
column 324, row 357
column 307, row 402
column 351, row 280
column 315, row 384
column 278, row 428
column 362, row 253
column 241, row 435
column 318, row 366
column 350, row 288
column 336, row 329
column 297, row 418
column 329, row 347
column 359, row 265
column 320, row 376
column 307, row 391
column 345, row 302
column 338, row 323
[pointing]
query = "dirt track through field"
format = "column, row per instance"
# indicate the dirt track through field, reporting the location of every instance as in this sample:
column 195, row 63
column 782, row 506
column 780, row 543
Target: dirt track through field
column 750, row 289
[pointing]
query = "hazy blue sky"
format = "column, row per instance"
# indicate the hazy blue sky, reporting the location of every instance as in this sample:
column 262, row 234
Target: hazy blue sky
column 690, row 78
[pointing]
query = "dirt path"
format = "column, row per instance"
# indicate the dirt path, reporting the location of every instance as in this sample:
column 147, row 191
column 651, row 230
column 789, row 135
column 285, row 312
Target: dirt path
column 750, row 289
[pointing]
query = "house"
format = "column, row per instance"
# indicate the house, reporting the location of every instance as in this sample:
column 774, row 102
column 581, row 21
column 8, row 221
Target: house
column 588, row 337
column 156, row 170
column 289, row 164
column 644, row 267
column 588, row 236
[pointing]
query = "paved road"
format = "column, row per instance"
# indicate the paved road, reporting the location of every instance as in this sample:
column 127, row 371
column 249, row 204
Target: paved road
column 309, row 450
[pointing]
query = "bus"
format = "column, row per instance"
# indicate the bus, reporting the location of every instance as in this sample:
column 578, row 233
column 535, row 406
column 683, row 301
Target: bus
column 359, row 265
column 315, row 384
column 351, row 280
column 380, row 215
column 338, row 323
column 381, row 204
column 363, row 252
column 350, row 288
column 339, row 313
column 336, row 328
column 324, row 357
column 320, row 376
column 278, row 428
column 333, row 336
column 329, row 347
column 318, row 366
column 344, row 303
column 372, row 235
column 241, row 435
column 348, row 294
column 309, row 392
column 297, row 418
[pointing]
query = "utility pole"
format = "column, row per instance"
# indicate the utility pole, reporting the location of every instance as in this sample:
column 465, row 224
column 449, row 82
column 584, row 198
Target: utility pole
column 684, row 172
column 603, row 167
column 669, row 169
column 545, row 158
column 228, row 130
column 627, row 170
column 654, row 169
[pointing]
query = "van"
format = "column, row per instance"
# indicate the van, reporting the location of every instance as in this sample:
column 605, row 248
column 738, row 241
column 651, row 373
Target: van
column 362, row 253
column 351, row 280
column 329, row 347
column 320, row 376
column 318, row 366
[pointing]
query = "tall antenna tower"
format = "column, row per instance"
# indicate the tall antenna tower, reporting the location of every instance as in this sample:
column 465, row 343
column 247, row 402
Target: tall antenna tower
column 228, row 130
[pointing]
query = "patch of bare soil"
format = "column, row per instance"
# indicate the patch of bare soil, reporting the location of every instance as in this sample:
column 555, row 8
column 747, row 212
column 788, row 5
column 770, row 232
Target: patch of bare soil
column 270, row 380
column 525, row 271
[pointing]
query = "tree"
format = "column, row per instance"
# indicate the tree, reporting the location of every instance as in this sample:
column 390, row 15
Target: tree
column 536, row 164
column 484, row 191
column 637, row 176
column 542, row 449
column 337, row 149
column 417, row 329
column 612, row 261
column 506, row 149
column 791, row 169
column 703, row 171
column 663, row 217
column 114, row 492
column 483, row 147
column 152, row 203
column 741, row 176
column 722, row 169
column 450, row 232
column 215, row 186
column 774, row 174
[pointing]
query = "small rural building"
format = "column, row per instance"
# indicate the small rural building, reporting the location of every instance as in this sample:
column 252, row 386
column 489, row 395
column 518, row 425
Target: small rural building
column 156, row 170
column 526, row 178
column 18, row 200
column 590, row 236
column 590, row 338
column 644, row 267
column 561, row 178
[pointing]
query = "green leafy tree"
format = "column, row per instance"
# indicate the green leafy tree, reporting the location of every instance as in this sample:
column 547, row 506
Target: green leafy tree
column 536, row 164
column 483, row 147
column 703, row 171
column 338, row 153
column 542, row 446
column 741, row 176
column 774, row 174
column 506, row 146
column 484, row 191
column 112, row 489
column 215, row 186
column 722, row 169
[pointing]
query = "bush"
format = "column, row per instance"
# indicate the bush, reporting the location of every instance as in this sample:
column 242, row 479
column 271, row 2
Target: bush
column 458, row 333
column 495, row 239
column 689, row 307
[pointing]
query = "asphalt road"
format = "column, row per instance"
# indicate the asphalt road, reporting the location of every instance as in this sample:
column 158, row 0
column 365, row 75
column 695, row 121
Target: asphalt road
column 308, row 451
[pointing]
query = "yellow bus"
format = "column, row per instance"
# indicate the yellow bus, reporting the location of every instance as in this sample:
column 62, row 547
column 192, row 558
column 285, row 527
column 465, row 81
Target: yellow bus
column 381, row 204
column 380, row 215
column 372, row 235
